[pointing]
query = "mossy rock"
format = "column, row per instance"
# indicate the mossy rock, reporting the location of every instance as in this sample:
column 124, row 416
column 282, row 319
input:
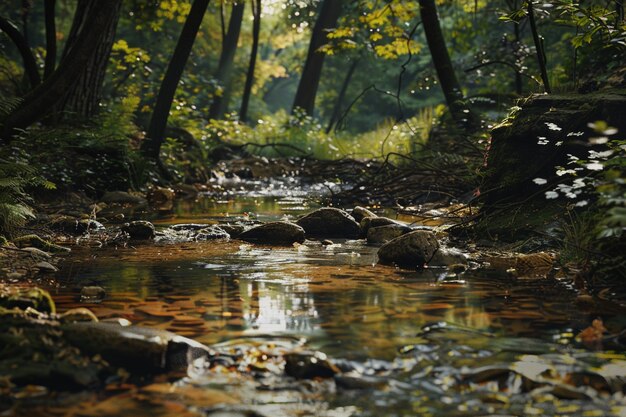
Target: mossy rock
column 39, row 243
column 23, row 298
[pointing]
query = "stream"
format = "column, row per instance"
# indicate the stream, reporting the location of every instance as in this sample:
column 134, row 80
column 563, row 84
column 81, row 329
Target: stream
column 408, row 343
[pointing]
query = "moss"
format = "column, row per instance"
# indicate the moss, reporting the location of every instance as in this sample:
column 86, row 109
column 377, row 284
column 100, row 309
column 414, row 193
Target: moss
column 39, row 243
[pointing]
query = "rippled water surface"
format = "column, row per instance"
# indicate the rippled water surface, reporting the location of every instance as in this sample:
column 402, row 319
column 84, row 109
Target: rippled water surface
column 421, row 343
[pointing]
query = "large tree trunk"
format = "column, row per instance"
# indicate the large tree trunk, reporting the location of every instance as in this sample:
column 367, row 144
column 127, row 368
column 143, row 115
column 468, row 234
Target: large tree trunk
column 51, row 38
column 151, row 147
column 443, row 65
column 30, row 65
column 247, row 89
column 225, row 65
column 312, row 71
column 53, row 90
column 83, row 98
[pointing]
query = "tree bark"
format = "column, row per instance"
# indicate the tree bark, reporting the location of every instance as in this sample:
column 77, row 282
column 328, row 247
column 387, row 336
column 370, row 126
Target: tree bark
column 342, row 94
column 225, row 65
column 51, row 38
column 247, row 90
column 84, row 96
column 312, row 71
column 541, row 55
column 443, row 65
column 30, row 65
column 52, row 91
column 151, row 147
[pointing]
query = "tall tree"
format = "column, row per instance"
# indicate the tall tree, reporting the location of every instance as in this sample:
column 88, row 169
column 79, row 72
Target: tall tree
column 30, row 65
column 247, row 89
column 84, row 95
column 51, row 38
column 38, row 102
column 225, row 65
column 342, row 94
column 539, row 47
column 151, row 147
column 312, row 71
column 443, row 65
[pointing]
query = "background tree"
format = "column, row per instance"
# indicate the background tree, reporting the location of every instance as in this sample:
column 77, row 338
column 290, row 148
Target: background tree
column 256, row 29
column 225, row 65
column 312, row 71
column 152, row 145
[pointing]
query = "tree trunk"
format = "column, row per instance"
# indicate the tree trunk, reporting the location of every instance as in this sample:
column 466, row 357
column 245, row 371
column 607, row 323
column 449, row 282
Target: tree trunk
column 39, row 101
column 30, row 65
column 225, row 65
column 443, row 65
column 619, row 12
column 51, row 38
column 83, row 97
column 342, row 94
column 312, row 71
column 247, row 90
column 518, row 41
column 541, row 55
column 151, row 147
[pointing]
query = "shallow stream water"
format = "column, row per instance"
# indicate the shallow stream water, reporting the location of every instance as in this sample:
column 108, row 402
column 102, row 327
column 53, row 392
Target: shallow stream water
column 419, row 343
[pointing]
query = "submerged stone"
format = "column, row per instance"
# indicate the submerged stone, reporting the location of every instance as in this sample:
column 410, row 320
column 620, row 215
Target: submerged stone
column 308, row 365
column 274, row 233
column 92, row 294
column 413, row 249
column 139, row 230
column 211, row 233
column 329, row 222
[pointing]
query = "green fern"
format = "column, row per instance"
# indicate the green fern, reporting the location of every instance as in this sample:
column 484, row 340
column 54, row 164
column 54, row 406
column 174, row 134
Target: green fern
column 14, row 201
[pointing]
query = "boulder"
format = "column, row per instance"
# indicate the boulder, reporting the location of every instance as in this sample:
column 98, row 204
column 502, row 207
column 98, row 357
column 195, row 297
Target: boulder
column 412, row 249
column 309, row 365
column 161, row 196
column 359, row 213
column 139, row 230
column 330, row 222
column 92, row 294
column 234, row 230
column 274, row 233
column 383, row 234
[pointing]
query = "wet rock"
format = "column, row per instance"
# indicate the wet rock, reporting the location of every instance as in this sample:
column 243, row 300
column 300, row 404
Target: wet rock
column 384, row 234
column 308, row 365
column 37, row 253
column 139, row 230
column 136, row 348
column 330, row 222
column 274, row 233
column 46, row 266
column 327, row 242
column 122, row 197
column 359, row 213
column 448, row 257
column 92, row 294
column 412, row 249
column 39, row 243
column 76, row 226
column 23, row 298
column 211, row 233
column 368, row 222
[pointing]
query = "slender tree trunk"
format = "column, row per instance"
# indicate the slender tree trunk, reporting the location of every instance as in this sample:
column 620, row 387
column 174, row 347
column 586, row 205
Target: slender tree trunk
column 541, row 55
column 39, row 101
column 312, row 71
column 225, row 65
column 443, row 65
column 619, row 12
column 518, row 40
column 151, row 147
column 30, row 65
column 342, row 94
column 51, row 38
column 247, row 90
column 84, row 96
